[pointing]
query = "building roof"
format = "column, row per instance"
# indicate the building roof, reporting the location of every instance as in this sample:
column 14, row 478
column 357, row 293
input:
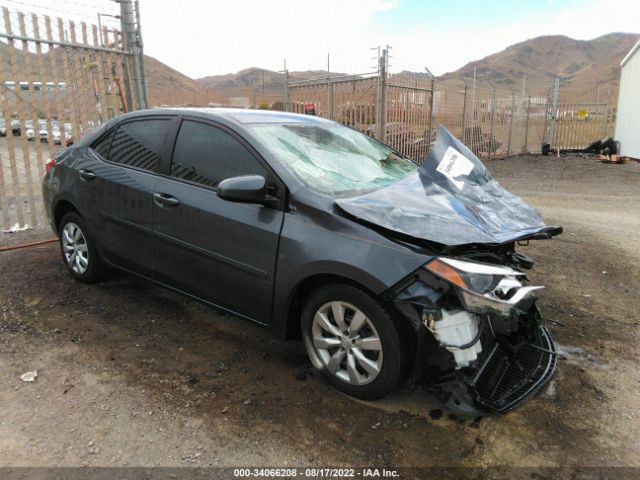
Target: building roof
column 631, row 53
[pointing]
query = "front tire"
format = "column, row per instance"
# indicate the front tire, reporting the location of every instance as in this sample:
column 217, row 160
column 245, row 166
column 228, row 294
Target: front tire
column 353, row 340
column 79, row 251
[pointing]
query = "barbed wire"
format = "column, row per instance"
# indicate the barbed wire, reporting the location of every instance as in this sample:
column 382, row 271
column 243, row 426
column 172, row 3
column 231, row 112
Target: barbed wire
column 56, row 12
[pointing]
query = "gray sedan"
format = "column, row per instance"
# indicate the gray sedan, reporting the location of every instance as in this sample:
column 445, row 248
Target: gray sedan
column 386, row 270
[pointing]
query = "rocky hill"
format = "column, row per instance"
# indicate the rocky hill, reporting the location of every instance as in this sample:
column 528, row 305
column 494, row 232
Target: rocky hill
column 578, row 63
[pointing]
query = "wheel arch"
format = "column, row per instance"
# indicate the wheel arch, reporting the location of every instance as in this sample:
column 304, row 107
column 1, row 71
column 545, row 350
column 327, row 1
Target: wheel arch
column 300, row 293
column 62, row 207
column 292, row 328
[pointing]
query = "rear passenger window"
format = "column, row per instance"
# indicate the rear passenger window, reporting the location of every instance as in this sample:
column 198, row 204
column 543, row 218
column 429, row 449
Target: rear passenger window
column 138, row 143
column 207, row 155
column 103, row 145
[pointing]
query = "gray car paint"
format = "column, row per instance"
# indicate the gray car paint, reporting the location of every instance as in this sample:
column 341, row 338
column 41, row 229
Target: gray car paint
column 315, row 238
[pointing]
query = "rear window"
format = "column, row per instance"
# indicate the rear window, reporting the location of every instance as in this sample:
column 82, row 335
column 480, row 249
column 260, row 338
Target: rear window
column 136, row 144
column 102, row 146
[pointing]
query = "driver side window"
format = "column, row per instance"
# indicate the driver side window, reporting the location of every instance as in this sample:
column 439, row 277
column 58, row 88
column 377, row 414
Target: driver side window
column 207, row 155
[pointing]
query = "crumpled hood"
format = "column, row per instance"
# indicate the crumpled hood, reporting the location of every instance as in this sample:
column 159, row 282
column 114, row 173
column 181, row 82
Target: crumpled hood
column 452, row 199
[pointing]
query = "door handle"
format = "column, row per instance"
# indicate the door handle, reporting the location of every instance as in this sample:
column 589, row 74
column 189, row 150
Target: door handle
column 164, row 200
column 87, row 175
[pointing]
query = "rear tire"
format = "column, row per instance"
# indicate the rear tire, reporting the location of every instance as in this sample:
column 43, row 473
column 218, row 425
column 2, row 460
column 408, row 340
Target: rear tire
column 352, row 339
column 79, row 250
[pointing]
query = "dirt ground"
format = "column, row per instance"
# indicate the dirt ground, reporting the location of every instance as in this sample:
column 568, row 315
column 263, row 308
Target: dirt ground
column 130, row 374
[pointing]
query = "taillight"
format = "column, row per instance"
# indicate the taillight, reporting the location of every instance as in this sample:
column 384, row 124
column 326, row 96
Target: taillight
column 49, row 165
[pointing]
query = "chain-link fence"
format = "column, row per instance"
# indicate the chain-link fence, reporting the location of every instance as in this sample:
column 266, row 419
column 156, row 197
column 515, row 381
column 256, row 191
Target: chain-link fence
column 60, row 79
column 404, row 111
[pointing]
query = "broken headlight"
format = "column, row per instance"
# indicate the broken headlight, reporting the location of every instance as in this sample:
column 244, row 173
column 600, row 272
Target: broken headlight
column 483, row 288
column 477, row 277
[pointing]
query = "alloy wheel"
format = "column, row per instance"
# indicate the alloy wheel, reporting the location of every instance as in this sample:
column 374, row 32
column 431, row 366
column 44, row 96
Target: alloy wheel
column 347, row 343
column 75, row 249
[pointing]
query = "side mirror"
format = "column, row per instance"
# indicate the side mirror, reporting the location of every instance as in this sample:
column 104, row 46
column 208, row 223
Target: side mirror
column 244, row 189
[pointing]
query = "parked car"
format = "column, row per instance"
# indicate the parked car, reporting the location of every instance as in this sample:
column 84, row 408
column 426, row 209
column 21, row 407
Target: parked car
column 15, row 127
column 3, row 128
column 41, row 126
column 56, row 135
column 384, row 269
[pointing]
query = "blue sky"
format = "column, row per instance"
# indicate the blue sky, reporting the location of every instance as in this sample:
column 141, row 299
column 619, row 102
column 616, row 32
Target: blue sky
column 209, row 37
column 409, row 13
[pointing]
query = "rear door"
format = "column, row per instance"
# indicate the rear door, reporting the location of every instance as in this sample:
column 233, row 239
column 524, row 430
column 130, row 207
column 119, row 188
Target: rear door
column 217, row 250
column 116, row 188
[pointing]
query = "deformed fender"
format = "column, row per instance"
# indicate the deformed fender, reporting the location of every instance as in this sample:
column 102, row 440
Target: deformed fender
column 356, row 253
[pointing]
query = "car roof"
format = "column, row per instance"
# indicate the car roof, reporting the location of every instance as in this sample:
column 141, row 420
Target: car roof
column 236, row 115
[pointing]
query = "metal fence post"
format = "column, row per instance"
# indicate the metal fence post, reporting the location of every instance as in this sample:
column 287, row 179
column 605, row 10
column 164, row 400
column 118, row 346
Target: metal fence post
column 554, row 112
column 513, row 105
column 526, row 127
column 464, row 111
column 546, row 115
column 431, row 103
column 493, row 116
column 606, row 116
column 286, row 90
column 330, row 99
column 381, row 104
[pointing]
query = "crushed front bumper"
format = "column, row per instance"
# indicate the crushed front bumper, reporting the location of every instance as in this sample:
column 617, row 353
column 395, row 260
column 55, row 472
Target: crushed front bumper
column 504, row 376
column 505, row 379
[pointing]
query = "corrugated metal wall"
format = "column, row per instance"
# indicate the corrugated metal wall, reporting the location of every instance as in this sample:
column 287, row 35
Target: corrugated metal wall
column 628, row 120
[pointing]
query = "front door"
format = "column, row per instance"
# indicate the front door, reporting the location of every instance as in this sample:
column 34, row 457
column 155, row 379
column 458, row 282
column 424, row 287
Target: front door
column 220, row 251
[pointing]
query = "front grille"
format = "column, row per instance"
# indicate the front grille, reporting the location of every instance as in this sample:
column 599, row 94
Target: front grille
column 503, row 380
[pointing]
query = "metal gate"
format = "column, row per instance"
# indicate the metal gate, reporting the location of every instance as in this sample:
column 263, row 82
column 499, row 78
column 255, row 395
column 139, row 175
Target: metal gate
column 60, row 79
column 579, row 117
column 409, row 126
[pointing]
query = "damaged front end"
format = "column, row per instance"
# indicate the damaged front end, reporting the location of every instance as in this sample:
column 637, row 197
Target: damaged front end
column 481, row 347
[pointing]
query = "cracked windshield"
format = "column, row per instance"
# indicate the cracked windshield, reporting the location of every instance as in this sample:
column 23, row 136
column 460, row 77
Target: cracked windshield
column 334, row 159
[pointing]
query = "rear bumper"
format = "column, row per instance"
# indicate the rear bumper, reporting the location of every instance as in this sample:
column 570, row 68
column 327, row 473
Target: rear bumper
column 47, row 196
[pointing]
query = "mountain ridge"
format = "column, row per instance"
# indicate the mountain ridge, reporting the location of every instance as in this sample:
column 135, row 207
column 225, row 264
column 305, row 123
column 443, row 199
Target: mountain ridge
column 580, row 64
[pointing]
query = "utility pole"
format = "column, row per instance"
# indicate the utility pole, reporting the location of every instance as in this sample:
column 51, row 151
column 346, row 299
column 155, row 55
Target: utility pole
column 143, row 70
column 129, row 32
